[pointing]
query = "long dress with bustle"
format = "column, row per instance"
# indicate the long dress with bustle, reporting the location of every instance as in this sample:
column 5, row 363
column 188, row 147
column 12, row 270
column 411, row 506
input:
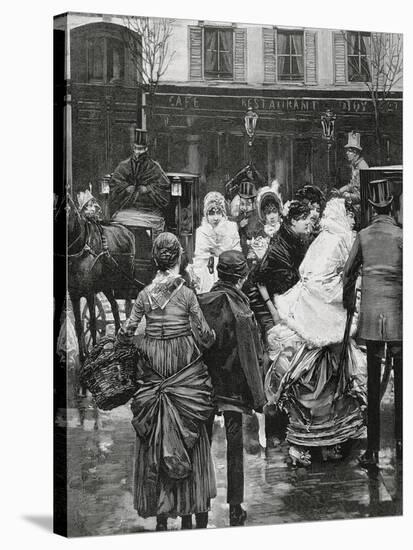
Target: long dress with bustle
column 324, row 399
column 174, row 473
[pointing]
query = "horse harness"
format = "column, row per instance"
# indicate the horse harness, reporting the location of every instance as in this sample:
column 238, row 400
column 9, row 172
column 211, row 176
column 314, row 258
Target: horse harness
column 104, row 252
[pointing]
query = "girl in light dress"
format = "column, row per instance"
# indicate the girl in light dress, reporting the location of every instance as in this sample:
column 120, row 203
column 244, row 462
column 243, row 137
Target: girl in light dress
column 215, row 235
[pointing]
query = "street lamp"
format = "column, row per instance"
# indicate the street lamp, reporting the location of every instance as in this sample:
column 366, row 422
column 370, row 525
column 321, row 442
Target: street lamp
column 250, row 121
column 328, row 120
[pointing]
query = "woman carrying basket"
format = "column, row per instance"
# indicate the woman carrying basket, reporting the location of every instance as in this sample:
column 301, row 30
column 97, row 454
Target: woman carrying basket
column 174, row 473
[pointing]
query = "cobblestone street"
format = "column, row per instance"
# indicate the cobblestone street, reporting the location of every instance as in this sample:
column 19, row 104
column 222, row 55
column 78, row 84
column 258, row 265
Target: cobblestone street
column 100, row 462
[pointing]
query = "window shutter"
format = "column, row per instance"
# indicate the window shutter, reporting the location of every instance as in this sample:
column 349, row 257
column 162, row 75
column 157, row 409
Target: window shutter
column 310, row 52
column 339, row 57
column 195, row 53
column 240, row 54
column 270, row 71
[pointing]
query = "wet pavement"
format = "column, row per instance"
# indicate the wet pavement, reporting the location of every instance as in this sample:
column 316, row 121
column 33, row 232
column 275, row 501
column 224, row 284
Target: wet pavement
column 100, row 449
column 100, row 467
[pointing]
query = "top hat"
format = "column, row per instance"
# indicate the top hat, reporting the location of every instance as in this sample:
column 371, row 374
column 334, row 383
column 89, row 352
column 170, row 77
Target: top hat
column 232, row 262
column 353, row 141
column 379, row 191
column 141, row 137
column 247, row 190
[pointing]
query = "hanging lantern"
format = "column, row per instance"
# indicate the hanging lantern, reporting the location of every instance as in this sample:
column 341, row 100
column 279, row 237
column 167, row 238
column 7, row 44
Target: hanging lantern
column 328, row 120
column 250, row 120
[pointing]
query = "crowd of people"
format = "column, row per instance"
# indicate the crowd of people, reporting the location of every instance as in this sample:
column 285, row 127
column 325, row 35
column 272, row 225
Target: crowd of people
column 261, row 325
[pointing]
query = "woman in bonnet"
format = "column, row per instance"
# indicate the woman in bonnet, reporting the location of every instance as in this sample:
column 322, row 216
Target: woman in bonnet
column 174, row 474
column 215, row 235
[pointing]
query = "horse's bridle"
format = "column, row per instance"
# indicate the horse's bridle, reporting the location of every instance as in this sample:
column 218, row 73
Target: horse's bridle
column 69, row 246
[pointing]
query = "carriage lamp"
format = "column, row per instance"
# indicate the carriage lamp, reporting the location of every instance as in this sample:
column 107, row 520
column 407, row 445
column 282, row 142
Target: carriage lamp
column 176, row 187
column 104, row 184
column 250, row 121
column 328, row 120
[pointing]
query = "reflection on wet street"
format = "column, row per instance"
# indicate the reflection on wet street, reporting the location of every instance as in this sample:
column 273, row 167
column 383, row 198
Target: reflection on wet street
column 100, row 469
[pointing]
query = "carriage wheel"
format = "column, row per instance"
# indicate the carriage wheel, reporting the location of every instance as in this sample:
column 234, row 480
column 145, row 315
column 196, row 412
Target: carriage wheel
column 100, row 322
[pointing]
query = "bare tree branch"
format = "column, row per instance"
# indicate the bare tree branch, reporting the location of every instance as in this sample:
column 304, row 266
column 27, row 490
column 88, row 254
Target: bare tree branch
column 385, row 62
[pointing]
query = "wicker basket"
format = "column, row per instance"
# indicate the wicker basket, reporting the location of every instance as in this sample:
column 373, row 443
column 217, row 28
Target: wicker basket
column 111, row 374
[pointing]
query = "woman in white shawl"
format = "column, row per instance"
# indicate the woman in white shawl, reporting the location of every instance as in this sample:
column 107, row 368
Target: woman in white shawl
column 323, row 397
column 215, row 235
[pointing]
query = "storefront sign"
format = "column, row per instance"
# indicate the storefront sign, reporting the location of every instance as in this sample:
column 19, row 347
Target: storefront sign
column 198, row 103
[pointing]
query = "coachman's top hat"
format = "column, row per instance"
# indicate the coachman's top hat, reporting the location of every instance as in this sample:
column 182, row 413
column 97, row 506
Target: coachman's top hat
column 353, row 141
column 247, row 190
column 141, row 137
column 379, row 191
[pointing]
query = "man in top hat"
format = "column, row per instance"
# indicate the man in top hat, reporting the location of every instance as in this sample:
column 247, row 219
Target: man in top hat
column 378, row 249
column 353, row 149
column 234, row 363
column 139, row 182
column 249, row 224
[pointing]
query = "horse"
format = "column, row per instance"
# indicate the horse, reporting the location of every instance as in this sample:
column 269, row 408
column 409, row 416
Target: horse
column 100, row 259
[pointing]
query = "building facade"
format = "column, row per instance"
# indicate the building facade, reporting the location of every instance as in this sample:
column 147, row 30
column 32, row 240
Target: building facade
column 288, row 76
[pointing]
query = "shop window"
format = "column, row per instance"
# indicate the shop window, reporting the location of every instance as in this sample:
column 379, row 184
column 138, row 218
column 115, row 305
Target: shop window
column 290, row 55
column 105, row 60
column 358, row 50
column 218, row 53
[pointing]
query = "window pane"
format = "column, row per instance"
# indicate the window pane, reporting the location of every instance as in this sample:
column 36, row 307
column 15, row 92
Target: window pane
column 283, row 65
column 364, row 44
column 211, row 51
column 352, row 43
column 296, row 44
column 364, row 68
column 225, row 41
column 115, row 60
column 353, row 68
column 95, row 59
column 225, row 62
column 283, row 43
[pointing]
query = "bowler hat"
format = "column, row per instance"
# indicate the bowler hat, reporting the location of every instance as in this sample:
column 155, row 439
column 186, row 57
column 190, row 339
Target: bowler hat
column 379, row 191
column 232, row 262
column 141, row 137
column 353, row 141
column 247, row 190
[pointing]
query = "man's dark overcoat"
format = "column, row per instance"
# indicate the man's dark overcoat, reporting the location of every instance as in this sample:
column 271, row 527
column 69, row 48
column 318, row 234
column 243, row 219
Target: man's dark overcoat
column 234, row 360
column 378, row 248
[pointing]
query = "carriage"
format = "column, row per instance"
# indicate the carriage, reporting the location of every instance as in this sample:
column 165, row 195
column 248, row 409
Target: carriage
column 182, row 217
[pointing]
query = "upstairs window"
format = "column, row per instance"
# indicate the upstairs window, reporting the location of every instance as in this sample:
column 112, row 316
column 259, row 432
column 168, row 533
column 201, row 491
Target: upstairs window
column 105, row 60
column 290, row 55
column 358, row 51
column 218, row 53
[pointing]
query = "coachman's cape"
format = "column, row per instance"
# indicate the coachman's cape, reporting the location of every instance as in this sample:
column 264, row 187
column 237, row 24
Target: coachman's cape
column 234, row 360
column 143, row 172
